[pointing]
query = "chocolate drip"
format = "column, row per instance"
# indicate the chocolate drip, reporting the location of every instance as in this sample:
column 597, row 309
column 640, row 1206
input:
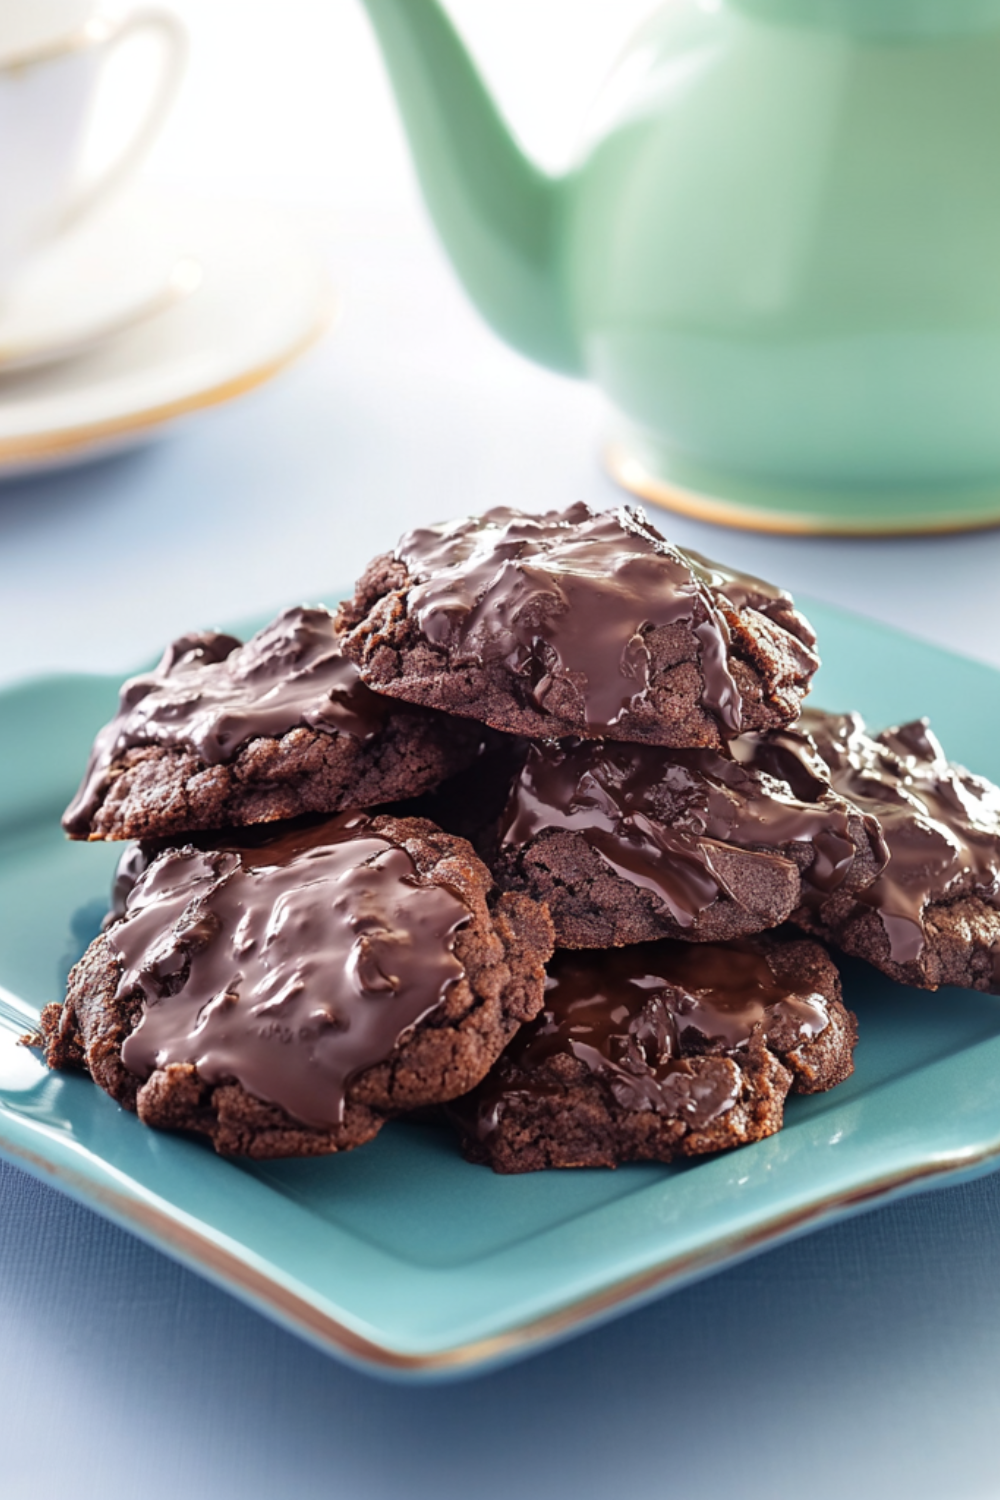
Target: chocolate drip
column 291, row 966
column 633, row 1016
column 212, row 694
column 134, row 862
column 570, row 598
column 744, row 591
column 941, row 824
column 653, row 815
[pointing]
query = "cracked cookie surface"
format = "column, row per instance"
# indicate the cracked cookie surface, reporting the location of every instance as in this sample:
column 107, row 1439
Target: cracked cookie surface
column 285, row 997
column 932, row 917
column 628, row 843
column 660, row 1051
column 578, row 622
column 227, row 734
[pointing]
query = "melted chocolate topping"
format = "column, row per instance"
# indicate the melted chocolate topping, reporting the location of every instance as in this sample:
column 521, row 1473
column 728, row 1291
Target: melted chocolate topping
column 212, row 694
column 633, row 1016
column 135, row 860
column 569, row 597
column 291, row 966
column 654, row 814
column 941, row 824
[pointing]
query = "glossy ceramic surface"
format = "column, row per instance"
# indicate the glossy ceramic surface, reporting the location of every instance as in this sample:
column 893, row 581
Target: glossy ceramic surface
column 111, row 273
column 646, row 468
column 52, row 62
column 400, row 1256
column 778, row 252
column 257, row 294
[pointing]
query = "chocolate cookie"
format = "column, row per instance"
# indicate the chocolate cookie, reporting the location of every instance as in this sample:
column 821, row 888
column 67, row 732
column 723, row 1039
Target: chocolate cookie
column 627, row 843
column 134, row 861
column 933, row 915
column 285, row 997
column 578, row 622
column 223, row 734
column 658, row 1051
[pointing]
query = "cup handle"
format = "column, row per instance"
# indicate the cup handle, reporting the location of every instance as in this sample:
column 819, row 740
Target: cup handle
column 174, row 44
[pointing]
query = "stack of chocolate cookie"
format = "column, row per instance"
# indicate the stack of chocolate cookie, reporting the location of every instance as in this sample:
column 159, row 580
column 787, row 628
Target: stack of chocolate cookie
column 361, row 835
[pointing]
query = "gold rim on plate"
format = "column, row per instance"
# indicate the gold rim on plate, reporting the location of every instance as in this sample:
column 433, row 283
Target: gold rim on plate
column 228, row 1269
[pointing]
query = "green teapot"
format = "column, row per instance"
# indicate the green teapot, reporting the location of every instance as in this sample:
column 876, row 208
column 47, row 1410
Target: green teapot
column 778, row 252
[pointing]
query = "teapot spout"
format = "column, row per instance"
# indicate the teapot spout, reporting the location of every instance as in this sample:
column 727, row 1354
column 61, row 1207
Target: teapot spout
column 497, row 213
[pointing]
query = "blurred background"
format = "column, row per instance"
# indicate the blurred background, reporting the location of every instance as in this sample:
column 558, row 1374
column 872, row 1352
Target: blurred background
column 285, row 494
column 291, row 102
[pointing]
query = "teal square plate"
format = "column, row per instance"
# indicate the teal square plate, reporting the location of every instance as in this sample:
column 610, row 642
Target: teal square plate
column 400, row 1257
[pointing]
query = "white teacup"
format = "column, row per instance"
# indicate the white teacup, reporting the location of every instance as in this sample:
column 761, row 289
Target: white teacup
column 52, row 57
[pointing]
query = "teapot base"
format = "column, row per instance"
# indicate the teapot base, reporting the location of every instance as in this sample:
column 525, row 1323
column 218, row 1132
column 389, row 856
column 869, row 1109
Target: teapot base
column 798, row 510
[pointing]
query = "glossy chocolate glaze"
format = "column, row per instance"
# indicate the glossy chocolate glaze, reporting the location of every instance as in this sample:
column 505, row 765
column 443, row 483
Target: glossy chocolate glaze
column 212, row 694
column 633, row 1016
column 291, row 966
column 570, row 597
column 941, row 824
column 134, row 862
column 654, row 814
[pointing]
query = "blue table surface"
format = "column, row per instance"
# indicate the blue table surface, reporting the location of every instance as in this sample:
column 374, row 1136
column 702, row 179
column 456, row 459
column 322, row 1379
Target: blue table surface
column 864, row 1359
column 861, row 1360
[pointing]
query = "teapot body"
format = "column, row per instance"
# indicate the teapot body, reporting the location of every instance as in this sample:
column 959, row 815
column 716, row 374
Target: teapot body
column 781, row 255
column 778, row 252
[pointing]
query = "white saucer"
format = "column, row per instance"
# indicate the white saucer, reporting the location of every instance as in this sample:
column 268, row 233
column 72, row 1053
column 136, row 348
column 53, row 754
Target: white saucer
column 218, row 299
column 92, row 284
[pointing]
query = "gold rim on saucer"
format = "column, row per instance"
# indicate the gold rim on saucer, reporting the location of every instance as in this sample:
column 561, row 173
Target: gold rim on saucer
column 95, row 435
